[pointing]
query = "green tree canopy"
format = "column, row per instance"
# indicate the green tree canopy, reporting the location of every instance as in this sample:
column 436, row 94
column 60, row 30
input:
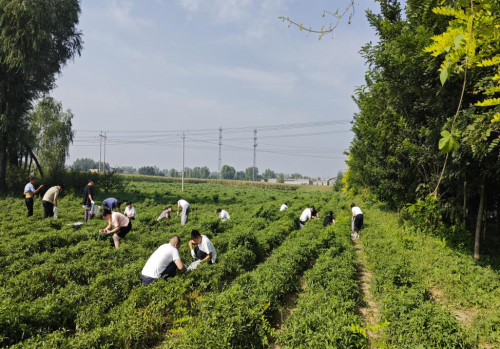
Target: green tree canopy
column 37, row 38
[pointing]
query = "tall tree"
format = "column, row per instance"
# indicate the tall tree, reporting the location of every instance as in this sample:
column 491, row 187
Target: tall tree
column 227, row 172
column 37, row 38
column 85, row 164
column 54, row 133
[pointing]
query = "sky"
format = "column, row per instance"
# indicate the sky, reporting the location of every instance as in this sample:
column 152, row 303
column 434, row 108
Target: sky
column 153, row 69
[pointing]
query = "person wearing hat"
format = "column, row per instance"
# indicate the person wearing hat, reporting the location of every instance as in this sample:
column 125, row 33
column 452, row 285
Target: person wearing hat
column 29, row 194
column 49, row 200
column 130, row 211
column 88, row 200
column 164, row 262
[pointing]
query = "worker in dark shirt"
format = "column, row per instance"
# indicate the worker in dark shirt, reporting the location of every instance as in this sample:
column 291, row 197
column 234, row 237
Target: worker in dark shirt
column 88, row 200
column 329, row 219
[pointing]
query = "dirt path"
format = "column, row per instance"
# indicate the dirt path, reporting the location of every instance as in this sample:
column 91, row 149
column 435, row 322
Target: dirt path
column 368, row 308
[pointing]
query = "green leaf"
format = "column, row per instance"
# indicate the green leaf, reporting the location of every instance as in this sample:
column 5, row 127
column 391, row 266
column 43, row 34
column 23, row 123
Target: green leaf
column 448, row 143
column 457, row 40
column 445, row 74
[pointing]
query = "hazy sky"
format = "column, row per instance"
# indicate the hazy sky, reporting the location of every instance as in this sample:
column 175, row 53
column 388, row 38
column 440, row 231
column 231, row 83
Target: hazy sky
column 151, row 67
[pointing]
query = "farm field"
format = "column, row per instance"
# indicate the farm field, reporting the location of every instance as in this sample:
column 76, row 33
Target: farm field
column 273, row 285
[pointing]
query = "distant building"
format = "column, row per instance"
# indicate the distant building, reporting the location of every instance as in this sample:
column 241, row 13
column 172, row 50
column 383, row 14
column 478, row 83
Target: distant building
column 272, row 180
column 301, row 181
column 94, row 170
column 320, row 182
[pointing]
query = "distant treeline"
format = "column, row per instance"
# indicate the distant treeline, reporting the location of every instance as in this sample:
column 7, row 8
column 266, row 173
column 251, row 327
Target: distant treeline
column 227, row 172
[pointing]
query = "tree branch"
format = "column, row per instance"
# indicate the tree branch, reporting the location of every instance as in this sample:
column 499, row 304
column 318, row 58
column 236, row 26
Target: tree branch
column 324, row 31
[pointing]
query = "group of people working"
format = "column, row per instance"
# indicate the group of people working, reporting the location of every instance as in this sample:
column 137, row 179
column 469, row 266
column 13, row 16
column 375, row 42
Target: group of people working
column 310, row 212
column 165, row 261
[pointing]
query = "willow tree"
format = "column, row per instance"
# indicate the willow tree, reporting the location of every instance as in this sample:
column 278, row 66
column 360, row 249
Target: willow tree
column 37, row 39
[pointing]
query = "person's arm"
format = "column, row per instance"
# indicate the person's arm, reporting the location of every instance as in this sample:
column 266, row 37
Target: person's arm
column 207, row 258
column 178, row 207
column 55, row 200
column 36, row 191
column 179, row 264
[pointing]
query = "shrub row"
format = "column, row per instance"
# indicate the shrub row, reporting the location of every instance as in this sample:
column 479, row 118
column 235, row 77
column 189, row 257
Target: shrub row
column 240, row 316
column 325, row 314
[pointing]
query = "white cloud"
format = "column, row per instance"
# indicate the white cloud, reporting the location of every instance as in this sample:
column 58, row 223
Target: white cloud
column 120, row 11
column 223, row 11
column 263, row 80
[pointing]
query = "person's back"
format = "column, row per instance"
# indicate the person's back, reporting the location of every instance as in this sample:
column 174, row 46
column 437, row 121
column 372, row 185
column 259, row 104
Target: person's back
column 159, row 260
column 306, row 215
column 328, row 219
column 356, row 210
column 224, row 216
column 111, row 203
column 49, row 194
column 284, row 207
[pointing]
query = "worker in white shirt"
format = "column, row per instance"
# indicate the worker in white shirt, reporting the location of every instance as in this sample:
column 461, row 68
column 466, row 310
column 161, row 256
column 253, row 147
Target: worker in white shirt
column 357, row 221
column 164, row 262
column 204, row 251
column 308, row 214
column 224, row 216
column 130, row 211
column 186, row 208
column 284, row 207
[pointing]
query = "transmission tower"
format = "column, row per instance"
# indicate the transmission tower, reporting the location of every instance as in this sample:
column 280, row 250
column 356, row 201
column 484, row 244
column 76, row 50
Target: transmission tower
column 254, row 152
column 220, row 152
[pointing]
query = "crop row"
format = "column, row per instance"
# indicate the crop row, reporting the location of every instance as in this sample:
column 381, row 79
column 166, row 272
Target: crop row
column 104, row 314
column 240, row 316
column 324, row 315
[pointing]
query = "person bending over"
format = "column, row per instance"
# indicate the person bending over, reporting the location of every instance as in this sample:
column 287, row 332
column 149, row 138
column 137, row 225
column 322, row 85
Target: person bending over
column 112, row 203
column 186, row 208
column 204, row 251
column 224, row 216
column 49, row 200
column 164, row 262
column 308, row 214
column 284, row 207
column 357, row 221
column 165, row 214
column 329, row 219
column 118, row 225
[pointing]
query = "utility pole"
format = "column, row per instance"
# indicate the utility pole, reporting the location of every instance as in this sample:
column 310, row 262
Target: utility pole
column 220, row 152
column 105, row 141
column 183, row 138
column 254, row 152
column 100, row 151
